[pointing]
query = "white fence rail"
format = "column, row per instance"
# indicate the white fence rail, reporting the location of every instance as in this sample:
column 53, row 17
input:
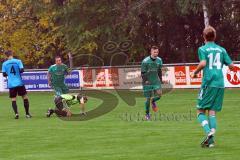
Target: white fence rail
column 122, row 77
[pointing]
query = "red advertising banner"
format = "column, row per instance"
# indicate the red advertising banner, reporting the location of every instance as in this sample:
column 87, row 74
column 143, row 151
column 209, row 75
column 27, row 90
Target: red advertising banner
column 100, row 78
column 233, row 76
column 87, row 78
column 180, row 75
column 198, row 79
column 113, row 77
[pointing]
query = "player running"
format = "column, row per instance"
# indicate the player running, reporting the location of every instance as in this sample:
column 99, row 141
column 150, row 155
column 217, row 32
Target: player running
column 56, row 76
column 151, row 79
column 64, row 102
column 212, row 58
column 12, row 69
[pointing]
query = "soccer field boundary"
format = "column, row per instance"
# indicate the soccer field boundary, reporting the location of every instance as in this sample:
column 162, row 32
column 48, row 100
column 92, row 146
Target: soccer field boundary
column 117, row 131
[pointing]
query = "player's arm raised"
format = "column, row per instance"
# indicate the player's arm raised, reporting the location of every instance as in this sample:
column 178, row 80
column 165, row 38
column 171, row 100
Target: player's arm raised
column 69, row 70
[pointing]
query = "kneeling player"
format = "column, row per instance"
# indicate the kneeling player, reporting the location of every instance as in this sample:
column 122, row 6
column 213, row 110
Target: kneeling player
column 64, row 102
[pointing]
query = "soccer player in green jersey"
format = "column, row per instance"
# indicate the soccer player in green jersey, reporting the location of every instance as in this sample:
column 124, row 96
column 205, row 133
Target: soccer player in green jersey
column 151, row 79
column 56, row 75
column 212, row 58
column 64, row 102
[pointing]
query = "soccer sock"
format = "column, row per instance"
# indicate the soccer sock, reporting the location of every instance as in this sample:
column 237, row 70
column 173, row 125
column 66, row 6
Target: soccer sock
column 212, row 122
column 26, row 106
column 156, row 99
column 14, row 106
column 202, row 118
column 147, row 105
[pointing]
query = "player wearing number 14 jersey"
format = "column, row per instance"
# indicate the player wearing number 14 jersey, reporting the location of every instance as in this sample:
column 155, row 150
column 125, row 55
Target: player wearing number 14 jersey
column 12, row 69
column 212, row 58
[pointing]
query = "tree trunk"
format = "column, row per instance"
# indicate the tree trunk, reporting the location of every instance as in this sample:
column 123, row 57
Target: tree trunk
column 205, row 13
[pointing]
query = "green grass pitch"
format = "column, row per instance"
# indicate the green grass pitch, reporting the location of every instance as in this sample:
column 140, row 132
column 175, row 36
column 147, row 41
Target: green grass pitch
column 120, row 134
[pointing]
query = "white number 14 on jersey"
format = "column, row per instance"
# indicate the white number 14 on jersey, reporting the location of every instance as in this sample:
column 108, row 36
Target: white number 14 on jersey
column 215, row 62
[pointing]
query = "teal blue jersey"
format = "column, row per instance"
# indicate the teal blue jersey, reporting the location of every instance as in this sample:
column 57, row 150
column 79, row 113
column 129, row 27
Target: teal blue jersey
column 12, row 68
column 151, row 68
column 215, row 57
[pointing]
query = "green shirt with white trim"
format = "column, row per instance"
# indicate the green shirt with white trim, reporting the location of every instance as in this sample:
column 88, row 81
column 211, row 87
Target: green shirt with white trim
column 215, row 57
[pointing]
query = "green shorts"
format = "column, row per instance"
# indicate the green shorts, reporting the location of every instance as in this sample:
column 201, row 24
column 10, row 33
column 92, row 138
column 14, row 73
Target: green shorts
column 151, row 90
column 210, row 98
column 61, row 89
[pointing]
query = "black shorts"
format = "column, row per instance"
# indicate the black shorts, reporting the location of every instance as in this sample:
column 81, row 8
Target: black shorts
column 59, row 107
column 20, row 90
column 58, row 102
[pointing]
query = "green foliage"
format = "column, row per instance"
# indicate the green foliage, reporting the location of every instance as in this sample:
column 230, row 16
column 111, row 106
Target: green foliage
column 39, row 30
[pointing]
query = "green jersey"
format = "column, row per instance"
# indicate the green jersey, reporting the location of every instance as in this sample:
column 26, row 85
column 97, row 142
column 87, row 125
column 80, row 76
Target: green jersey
column 150, row 68
column 69, row 99
column 58, row 73
column 215, row 57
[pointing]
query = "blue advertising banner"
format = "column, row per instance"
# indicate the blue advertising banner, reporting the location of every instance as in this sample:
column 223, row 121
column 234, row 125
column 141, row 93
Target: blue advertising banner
column 37, row 81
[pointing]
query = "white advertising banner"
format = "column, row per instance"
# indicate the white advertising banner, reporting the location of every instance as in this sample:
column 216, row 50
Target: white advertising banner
column 173, row 76
column 130, row 78
column 1, row 83
column 126, row 78
column 100, row 78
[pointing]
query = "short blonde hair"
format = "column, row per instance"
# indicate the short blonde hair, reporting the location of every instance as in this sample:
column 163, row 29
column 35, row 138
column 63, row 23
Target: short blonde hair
column 209, row 33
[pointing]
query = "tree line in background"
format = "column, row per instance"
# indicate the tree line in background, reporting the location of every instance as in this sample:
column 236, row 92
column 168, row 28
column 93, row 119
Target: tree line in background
column 38, row 30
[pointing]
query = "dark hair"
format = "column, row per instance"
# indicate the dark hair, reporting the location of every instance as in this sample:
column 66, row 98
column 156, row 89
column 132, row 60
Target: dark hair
column 154, row 47
column 80, row 96
column 56, row 57
column 209, row 33
column 8, row 53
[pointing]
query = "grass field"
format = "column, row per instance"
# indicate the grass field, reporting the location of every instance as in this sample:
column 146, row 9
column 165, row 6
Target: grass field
column 117, row 135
